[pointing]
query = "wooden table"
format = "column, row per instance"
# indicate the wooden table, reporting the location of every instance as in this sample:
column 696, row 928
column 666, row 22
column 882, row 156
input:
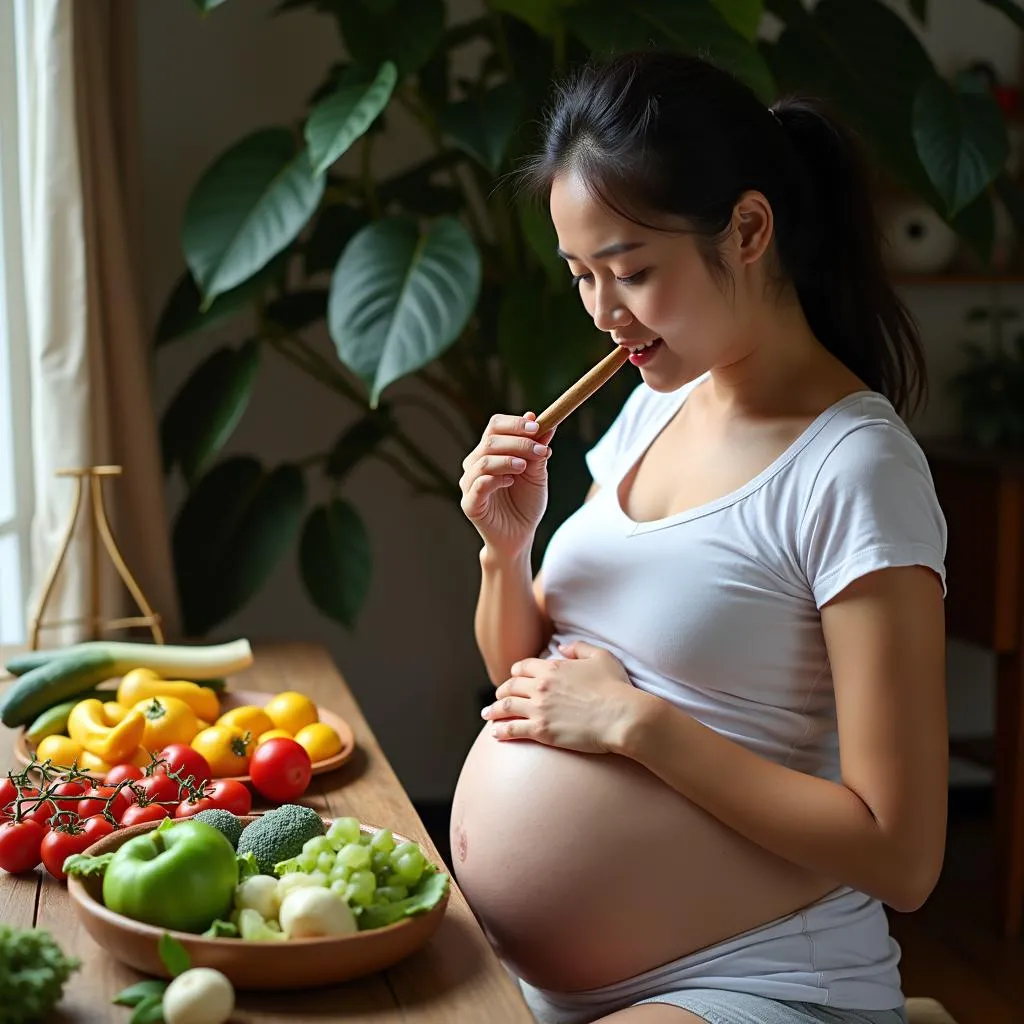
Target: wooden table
column 455, row 978
column 982, row 496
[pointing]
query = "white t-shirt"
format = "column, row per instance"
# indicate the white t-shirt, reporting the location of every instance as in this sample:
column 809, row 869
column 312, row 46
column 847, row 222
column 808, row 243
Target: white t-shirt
column 717, row 609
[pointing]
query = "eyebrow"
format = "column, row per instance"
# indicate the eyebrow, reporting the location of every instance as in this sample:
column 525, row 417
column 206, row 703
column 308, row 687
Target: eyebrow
column 615, row 249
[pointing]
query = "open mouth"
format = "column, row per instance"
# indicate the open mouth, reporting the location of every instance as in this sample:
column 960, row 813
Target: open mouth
column 642, row 351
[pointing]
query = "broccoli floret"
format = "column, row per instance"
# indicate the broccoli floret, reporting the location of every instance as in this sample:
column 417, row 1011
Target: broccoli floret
column 279, row 835
column 33, row 972
column 224, row 822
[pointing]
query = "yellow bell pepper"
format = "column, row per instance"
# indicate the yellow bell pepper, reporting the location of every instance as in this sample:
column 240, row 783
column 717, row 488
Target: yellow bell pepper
column 109, row 741
column 91, row 763
column 144, row 684
column 167, row 720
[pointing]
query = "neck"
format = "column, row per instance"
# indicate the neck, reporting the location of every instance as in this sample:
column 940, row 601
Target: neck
column 779, row 353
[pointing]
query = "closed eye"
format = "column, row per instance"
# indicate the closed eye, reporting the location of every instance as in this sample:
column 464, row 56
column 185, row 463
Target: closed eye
column 577, row 278
column 636, row 278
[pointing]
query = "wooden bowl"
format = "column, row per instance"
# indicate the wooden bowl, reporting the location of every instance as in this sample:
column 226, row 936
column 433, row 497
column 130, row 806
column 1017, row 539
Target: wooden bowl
column 23, row 749
column 292, row 964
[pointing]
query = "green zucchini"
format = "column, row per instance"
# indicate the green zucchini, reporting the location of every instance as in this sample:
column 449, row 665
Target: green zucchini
column 57, row 680
column 172, row 661
column 53, row 721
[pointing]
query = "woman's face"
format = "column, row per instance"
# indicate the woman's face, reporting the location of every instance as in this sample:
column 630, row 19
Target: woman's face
column 642, row 285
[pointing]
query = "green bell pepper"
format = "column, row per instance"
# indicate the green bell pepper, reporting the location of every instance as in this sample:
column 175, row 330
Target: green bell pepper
column 182, row 876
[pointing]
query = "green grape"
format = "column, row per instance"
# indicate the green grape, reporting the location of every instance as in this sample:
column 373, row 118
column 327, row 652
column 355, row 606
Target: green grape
column 317, row 845
column 318, row 878
column 342, row 831
column 306, row 862
column 380, row 862
column 407, row 860
column 339, row 872
column 354, row 856
column 339, row 886
column 391, row 893
column 325, row 862
column 361, row 887
column 383, row 841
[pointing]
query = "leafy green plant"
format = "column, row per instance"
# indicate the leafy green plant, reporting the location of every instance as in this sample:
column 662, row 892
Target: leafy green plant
column 989, row 388
column 439, row 288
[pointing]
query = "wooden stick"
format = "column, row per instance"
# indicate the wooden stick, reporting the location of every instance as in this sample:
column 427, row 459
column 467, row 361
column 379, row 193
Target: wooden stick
column 575, row 396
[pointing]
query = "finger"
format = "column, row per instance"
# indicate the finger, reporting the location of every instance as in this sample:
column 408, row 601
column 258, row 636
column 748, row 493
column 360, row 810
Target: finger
column 502, row 423
column 515, row 729
column 525, row 447
column 580, row 649
column 475, row 500
column 507, row 707
column 515, row 686
column 531, row 667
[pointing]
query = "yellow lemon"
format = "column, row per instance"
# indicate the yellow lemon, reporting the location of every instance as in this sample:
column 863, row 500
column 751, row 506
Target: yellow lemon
column 320, row 741
column 272, row 734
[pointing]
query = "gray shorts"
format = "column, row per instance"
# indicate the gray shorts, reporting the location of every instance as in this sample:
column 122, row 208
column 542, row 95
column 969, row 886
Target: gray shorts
column 717, row 1006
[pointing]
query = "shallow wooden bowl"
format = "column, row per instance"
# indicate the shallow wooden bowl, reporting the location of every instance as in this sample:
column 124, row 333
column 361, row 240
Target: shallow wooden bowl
column 292, row 964
column 24, row 750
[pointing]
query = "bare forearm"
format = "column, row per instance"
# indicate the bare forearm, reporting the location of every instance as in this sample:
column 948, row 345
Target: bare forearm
column 509, row 625
column 821, row 825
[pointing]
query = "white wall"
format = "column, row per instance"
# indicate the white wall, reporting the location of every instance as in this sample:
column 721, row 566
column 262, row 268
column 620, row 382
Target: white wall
column 412, row 663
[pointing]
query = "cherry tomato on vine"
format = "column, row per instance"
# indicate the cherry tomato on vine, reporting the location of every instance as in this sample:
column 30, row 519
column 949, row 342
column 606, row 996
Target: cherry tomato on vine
column 19, row 845
column 137, row 814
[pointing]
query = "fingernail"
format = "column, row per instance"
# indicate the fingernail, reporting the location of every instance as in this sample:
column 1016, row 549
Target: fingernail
column 531, row 426
column 483, row 711
column 540, row 449
column 519, row 463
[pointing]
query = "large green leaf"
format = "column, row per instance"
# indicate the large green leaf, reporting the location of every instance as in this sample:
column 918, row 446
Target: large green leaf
column 229, row 535
column 400, row 295
column 182, row 314
column 546, row 340
column 247, row 207
column 336, row 122
column 407, row 35
column 744, row 15
column 1011, row 8
column 336, row 561
column 357, row 441
column 483, row 125
column 541, row 15
column 960, row 137
column 865, row 59
column 697, row 27
column 540, row 235
column 207, row 408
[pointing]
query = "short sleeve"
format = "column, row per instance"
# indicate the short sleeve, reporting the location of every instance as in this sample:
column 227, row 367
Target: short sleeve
column 872, row 506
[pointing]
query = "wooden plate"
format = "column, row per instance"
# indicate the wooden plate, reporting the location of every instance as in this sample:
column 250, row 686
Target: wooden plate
column 292, row 964
column 23, row 750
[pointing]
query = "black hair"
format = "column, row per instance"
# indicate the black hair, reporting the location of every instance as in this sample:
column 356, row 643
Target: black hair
column 667, row 133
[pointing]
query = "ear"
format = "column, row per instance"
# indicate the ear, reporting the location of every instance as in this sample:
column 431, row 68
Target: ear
column 753, row 226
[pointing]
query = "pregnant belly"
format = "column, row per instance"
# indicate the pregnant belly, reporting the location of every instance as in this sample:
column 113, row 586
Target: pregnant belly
column 585, row 870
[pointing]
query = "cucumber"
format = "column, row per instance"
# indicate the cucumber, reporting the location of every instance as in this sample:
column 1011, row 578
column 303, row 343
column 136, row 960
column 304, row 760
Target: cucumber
column 194, row 663
column 54, row 720
column 57, row 680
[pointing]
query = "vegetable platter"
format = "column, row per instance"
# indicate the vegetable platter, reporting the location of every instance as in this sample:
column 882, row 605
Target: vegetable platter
column 107, row 706
column 283, row 900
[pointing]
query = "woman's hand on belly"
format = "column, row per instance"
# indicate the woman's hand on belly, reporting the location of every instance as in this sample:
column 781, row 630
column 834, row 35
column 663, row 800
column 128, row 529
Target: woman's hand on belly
column 583, row 702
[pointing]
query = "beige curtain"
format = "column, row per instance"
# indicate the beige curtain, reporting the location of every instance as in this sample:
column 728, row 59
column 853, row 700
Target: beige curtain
column 91, row 397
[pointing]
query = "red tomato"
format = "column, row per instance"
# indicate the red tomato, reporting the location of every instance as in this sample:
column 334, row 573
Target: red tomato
column 99, row 795
column 232, row 796
column 58, row 845
column 159, row 789
column 8, row 791
column 136, row 814
column 120, row 772
column 70, row 789
column 280, row 769
column 224, row 794
column 19, row 845
column 185, row 761
column 33, row 811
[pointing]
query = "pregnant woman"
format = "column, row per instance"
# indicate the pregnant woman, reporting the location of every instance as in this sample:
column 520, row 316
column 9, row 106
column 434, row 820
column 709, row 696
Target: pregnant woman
column 718, row 742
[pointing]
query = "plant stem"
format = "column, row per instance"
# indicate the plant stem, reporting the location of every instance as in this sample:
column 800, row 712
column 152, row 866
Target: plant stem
column 403, row 471
column 442, row 418
column 445, row 485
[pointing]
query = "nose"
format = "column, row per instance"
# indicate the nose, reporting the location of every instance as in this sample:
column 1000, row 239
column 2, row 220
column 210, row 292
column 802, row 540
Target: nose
column 608, row 314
